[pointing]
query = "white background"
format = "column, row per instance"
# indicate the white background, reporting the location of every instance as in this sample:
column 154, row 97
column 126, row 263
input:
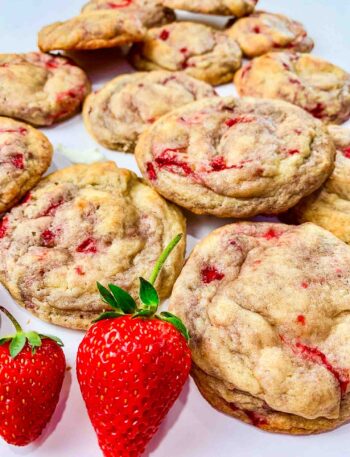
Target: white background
column 192, row 428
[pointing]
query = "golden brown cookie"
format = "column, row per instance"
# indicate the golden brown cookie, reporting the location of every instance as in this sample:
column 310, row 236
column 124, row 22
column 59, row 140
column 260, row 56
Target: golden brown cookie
column 319, row 87
column 236, row 8
column 83, row 224
column 267, row 308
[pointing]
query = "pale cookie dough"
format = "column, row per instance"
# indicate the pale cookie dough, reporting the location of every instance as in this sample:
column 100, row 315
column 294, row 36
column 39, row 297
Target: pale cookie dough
column 236, row 8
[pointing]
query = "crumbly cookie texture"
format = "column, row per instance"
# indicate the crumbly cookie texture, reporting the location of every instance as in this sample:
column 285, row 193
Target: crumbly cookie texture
column 119, row 112
column 151, row 12
column 40, row 88
column 83, row 224
column 236, row 8
column 262, row 32
column 93, row 30
column 264, row 349
column 253, row 156
column 329, row 207
column 199, row 50
column 319, row 87
column 25, row 155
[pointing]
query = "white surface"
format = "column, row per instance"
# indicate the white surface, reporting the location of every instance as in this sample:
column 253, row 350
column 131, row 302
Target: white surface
column 193, row 428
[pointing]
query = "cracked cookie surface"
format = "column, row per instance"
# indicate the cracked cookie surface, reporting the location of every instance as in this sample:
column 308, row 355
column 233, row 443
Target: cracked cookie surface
column 236, row 8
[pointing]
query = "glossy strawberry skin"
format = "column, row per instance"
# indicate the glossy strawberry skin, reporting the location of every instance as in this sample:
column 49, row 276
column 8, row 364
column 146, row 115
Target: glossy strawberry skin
column 130, row 371
column 30, row 386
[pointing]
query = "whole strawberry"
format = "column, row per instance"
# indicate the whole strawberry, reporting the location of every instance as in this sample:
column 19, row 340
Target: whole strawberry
column 32, row 368
column 132, row 366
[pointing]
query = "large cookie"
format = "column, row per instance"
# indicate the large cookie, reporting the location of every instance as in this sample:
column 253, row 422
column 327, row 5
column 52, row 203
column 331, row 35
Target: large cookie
column 236, row 157
column 236, row 8
column 268, row 310
column 83, row 224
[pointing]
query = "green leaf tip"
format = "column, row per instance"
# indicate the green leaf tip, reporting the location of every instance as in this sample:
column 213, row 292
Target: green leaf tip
column 176, row 322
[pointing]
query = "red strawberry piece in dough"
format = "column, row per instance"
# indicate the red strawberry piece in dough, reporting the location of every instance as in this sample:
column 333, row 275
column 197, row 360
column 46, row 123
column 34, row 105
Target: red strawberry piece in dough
column 346, row 152
column 88, row 246
column 120, row 4
column 151, row 172
column 210, row 274
column 17, row 161
column 3, row 226
column 164, row 35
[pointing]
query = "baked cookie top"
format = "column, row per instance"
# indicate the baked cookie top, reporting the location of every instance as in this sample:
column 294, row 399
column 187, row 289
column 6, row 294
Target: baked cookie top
column 25, row 155
column 92, row 30
column 83, row 224
column 312, row 83
column 253, row 156
column 40, row 88
column 267, row 307
column 262, row 32
column 151, row 12
column 119, row 112
column 237, row 8
column 199, row 50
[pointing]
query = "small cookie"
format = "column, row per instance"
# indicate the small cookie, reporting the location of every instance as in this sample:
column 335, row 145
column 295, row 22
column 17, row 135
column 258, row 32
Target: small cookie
column 267, row 307
column 236, row 8
column 93, row 30
column 201, row 51
column 329, row 207
column 83, row 224
column 40, row 88
column 312, row 83
column 151, row 12
column 253, row 156
column 263, row 32
column 25, row 155
column 119, row 112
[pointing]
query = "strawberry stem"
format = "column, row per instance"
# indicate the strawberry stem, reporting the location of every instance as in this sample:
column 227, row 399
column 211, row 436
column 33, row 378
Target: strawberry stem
column 164, row 255
column 12, row 319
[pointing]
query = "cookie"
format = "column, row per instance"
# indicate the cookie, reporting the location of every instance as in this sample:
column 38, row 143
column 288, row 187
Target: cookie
column 329, row 207
column 253, row 156
column 119, row 112
column 262, row 32
column 83, row 224
column 151, row 12
column 199, row 50
column 93, row 30
column 319, row 87
column 236, row 8
column 40, row 88
column 267, row 307
column 26, row 154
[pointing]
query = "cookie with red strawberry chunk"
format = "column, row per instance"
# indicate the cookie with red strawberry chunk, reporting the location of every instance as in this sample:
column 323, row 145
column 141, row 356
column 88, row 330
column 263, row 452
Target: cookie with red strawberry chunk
column 32, row 368
column 132, row 365
column 25, row 155
column 83, row 224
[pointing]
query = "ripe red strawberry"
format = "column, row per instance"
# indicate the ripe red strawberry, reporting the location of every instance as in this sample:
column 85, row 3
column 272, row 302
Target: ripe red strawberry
column 132, row 366
column 32, row 368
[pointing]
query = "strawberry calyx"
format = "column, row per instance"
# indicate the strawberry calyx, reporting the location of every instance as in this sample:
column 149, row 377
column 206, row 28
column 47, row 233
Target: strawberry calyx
column 123, row 304
column 20, row 338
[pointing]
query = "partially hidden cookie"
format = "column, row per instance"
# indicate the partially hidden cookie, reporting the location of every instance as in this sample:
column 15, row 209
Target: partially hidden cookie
column 199, row 50
column 329, row 207
column 119, row 112
column 83, row 224
column 319, row 87
column 262, row 32
column 151, row 12
column 25, row 155
column 236, row 8
column 267, row 307
column 40, row 88
column 236, row 157
column 92, row 30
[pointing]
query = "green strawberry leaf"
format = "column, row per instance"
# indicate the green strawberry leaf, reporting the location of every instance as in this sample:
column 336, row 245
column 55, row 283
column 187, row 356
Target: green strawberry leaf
column 143, row 313
column 176, row 322
column 124, row 300
column 108, row 315
column 107, row 296
column 33, row 339
column 53, row 338
column 5, row 340
column 148, row 295
column 17, row 344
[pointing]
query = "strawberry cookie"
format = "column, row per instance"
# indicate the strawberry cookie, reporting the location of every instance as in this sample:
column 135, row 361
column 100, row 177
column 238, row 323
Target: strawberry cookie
column 329, row 207
column 254, row 156
column 267, row 307
column 199, row 50
column 40, row 88
column 263, row 32
column 119, row 112
column 83, row 224
column 236, row 8
column 25, row 155
column 312, row 83
column 151, row 12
